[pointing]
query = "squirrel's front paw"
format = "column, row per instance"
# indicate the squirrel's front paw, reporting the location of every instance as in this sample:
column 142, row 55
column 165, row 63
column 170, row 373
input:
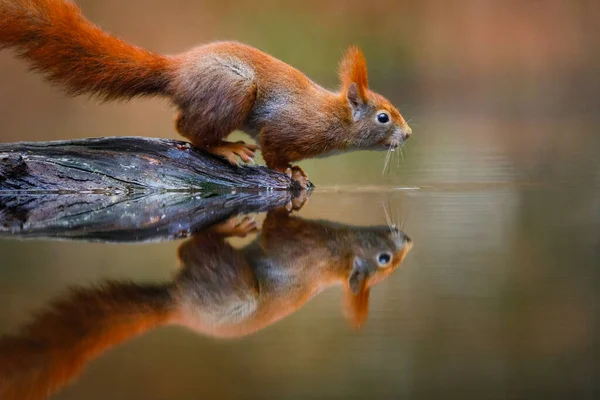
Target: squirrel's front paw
column 297, row 174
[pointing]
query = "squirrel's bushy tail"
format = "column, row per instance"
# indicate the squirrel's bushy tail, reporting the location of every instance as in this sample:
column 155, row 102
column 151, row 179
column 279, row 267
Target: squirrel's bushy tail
column 69, row 50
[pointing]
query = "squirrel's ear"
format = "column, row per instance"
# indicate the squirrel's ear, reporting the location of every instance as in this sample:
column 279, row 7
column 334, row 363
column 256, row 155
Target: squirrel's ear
column 353, row 76
column 353, row 69
column 356, row 102
column 358, row 276
column 353, row 96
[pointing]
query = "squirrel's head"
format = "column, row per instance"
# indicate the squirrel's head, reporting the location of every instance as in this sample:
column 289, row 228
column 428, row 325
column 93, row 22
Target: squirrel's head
column 378, row 253
column 377, row 124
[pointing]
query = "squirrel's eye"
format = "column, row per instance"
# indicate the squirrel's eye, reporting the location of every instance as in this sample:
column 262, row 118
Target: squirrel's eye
column 383, row 118
column 384, row 259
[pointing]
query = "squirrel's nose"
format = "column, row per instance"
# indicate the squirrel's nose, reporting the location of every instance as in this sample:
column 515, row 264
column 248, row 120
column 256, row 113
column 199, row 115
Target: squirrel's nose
column 407, row 132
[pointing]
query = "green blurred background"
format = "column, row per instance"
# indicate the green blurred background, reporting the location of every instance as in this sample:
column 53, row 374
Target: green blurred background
column 499, row 297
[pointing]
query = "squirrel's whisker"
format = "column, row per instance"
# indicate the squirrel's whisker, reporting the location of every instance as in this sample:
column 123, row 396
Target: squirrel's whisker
column 388, row 220
column 387, row 160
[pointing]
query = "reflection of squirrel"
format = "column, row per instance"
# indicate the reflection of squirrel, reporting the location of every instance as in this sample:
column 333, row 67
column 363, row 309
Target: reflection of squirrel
column 218, row 87
column 226, row 292
column 220, row 291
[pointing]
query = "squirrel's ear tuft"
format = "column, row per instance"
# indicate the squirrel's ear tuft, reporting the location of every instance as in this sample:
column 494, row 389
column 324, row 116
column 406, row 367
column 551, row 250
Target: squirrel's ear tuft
column 353, row 69
column 356, row 306
column 356, row 296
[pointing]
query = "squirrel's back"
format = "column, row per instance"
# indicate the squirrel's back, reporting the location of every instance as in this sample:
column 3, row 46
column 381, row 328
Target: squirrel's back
column 58, row 41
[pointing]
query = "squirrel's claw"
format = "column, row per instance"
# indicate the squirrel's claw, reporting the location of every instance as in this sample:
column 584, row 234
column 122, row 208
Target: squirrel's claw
column 297, row 174
column 300, row 176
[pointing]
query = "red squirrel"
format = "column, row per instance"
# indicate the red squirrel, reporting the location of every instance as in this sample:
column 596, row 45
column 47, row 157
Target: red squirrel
column 220, row 291
column 217, row 87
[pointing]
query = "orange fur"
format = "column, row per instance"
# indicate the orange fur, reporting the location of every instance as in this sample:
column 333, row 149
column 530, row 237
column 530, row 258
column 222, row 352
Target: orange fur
column 69, row 50
column 49, row 352
column 217, row 279
column 353, row 68
column 218, row 87
column 357, row 306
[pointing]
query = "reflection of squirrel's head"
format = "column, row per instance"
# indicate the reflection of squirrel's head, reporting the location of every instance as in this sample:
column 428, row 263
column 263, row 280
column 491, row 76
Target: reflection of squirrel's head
column 376, row 254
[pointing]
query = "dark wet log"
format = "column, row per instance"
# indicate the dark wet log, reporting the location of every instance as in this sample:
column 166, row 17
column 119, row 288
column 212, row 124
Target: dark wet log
column 126, row 164
column 126, row 218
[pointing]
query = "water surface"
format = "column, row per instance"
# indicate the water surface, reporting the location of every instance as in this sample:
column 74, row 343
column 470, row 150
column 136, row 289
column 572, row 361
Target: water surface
column 497, row 298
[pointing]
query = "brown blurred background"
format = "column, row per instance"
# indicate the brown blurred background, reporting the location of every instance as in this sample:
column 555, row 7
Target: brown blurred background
column 498, row 299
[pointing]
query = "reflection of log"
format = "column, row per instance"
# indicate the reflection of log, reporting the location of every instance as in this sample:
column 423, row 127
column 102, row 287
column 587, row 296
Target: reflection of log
column 125, row 164
column 131, row 218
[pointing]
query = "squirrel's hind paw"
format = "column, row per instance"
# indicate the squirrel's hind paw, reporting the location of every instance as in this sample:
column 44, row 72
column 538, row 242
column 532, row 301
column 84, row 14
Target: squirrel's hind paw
column 232, row 151
column 237, row 226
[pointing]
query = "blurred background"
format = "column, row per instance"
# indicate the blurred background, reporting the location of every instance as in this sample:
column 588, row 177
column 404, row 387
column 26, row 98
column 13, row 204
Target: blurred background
column 487, row 79
column 498, row 299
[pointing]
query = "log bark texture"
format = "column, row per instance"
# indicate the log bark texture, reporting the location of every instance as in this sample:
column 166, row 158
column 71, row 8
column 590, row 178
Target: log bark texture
column 131, row 218
column 124, row 165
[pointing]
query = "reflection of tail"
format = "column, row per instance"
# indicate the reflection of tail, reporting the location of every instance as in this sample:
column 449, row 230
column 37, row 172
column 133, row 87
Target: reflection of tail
column 49, row 352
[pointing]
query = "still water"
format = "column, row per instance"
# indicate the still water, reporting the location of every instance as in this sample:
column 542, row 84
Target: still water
column 498, row 190
column 476, row 278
